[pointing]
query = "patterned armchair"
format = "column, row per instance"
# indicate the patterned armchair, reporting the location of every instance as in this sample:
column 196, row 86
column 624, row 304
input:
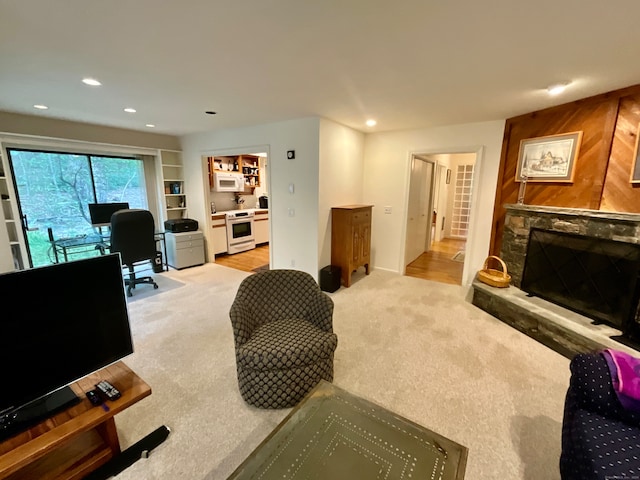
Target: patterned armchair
column 284, row 341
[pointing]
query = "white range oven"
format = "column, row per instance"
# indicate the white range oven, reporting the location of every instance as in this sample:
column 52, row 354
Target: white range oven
column 240, row 231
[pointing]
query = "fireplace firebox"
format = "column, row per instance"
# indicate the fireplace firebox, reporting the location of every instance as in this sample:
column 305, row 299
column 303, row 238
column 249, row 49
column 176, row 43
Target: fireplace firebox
column 592, row 276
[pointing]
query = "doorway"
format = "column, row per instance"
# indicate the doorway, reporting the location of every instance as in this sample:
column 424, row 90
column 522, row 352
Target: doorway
column 446, row 189
column 254, row 199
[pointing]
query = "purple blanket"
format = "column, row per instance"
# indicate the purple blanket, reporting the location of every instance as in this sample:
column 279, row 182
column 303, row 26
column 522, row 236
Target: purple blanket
column 625, row 376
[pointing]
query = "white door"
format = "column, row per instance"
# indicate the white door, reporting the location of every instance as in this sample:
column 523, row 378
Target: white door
column 426, row 206
column 419, row 210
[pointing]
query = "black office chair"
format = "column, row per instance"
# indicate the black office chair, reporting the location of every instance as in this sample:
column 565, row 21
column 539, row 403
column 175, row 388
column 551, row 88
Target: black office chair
column 133, row 236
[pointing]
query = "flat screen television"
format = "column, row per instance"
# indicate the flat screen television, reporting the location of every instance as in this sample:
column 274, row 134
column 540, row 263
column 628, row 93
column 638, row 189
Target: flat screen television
column 100, row 213
column 74, row 322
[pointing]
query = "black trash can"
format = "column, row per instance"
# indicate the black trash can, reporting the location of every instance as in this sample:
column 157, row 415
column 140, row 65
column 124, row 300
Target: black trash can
column 330, row 278
column 157, row 263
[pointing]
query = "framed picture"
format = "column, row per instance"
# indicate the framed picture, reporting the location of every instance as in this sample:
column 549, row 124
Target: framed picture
column 549, row 159
column 448, row 177
column 635, row 168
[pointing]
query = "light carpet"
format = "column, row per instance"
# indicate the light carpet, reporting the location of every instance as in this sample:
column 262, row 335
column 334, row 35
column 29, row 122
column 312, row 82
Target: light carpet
column 413, row 346
column 165, row 283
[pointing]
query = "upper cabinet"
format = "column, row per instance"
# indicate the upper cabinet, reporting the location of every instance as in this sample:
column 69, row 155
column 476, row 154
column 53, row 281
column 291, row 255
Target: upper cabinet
column 248, row 165
column 171, row 180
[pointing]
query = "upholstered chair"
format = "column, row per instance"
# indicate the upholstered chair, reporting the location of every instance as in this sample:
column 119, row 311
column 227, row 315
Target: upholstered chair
column 284, row 341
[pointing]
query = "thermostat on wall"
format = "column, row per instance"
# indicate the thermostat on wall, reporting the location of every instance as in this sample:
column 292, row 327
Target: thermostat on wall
column 291, row 154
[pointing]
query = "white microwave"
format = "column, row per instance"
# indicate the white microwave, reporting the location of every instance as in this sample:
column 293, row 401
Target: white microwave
column 228, row 182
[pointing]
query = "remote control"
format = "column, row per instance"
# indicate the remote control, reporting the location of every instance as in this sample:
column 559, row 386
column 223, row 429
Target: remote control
column 94, row 398
column 107, row 390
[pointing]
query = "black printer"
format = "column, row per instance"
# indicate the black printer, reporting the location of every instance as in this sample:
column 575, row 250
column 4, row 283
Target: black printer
column 176, row 225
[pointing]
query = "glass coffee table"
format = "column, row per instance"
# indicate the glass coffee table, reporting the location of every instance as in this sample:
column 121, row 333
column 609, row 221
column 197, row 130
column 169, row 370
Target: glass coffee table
column 332, row 434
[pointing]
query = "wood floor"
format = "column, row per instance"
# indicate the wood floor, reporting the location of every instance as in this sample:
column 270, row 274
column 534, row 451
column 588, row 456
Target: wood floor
column 246, row 261
column 436, row 265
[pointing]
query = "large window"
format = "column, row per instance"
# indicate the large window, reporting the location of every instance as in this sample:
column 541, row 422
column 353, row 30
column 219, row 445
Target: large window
column 55, row 188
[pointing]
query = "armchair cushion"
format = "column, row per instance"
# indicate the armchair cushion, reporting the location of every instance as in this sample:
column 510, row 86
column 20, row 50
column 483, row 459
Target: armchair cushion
column 285, row 344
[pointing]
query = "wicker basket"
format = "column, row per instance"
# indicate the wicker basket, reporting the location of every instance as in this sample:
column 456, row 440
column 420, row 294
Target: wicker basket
column 495, row 278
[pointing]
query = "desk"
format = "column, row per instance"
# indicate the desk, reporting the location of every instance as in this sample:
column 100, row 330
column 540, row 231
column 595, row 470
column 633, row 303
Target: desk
column 76, row 245
column 332, row 434
column 88, row 243
column 75, row 441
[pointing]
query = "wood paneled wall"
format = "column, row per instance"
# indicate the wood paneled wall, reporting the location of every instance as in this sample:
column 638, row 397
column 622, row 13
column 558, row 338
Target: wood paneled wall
column 609, row 125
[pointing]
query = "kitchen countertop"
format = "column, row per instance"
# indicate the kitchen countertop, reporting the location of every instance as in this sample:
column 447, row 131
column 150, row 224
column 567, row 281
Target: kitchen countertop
column 255, row 210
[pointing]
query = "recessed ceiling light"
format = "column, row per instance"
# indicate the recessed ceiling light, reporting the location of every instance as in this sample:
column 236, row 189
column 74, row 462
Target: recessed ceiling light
column 150, row 125
column 557, row 89
column 210, row 112
column 130, row 110
column 41, row 107
column 371, row 123
column 91, row 81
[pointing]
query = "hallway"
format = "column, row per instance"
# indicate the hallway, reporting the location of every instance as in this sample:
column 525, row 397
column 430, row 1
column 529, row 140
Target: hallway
column 438, row 264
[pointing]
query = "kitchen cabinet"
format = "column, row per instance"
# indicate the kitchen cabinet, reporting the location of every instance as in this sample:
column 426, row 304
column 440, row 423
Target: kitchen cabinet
column 248, row 165
column 184, row 249
column 261, row 226
column 351, row 239
column 219, row 233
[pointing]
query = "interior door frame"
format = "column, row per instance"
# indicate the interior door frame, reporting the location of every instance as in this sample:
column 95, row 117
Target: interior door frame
column 479, row 153
column 206, row 189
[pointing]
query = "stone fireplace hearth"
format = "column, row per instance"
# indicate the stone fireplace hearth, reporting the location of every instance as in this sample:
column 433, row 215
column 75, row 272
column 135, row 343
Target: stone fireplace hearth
column 563, row 330
column 520, row 219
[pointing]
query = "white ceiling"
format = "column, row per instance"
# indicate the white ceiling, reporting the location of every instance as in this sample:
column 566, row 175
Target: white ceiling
column 408, row 63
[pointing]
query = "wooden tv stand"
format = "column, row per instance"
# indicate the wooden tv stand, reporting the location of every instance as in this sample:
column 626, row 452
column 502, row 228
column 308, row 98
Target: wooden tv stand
column 76, row 441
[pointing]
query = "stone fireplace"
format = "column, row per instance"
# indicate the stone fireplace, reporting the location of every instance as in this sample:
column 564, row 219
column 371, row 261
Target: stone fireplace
column 566, row 331
column 520, row 219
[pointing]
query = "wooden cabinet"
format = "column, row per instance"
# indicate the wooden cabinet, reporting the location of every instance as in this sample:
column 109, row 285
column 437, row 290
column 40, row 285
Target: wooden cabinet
column 351, row 239
column 76, row 441
column 248, row 165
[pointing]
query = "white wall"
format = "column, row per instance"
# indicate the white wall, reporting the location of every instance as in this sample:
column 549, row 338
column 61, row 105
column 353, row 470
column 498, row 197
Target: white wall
column 340, row 182
column 294, row 239
column 386, row 182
